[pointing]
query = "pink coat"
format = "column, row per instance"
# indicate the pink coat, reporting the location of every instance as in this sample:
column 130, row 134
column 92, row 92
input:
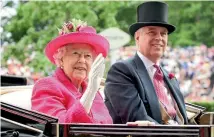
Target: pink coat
column 57, row 96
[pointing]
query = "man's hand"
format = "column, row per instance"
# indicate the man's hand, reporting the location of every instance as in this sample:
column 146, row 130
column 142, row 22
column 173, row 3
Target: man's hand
column 140, row 123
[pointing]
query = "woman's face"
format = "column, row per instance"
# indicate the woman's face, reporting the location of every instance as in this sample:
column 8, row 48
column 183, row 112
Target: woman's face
column 77, row 61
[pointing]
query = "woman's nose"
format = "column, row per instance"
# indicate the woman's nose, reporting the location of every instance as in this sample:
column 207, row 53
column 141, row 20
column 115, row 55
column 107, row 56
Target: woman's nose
column 81, row 59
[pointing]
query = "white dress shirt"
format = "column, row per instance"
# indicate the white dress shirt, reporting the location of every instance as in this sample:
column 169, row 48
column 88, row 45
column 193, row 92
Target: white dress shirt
column 148, row 64
column 151, row 70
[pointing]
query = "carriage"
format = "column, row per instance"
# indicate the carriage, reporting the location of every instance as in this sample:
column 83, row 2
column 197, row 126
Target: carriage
column 17, row 119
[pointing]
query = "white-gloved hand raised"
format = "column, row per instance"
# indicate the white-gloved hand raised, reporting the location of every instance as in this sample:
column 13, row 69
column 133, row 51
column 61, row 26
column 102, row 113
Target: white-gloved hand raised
column 94, row 79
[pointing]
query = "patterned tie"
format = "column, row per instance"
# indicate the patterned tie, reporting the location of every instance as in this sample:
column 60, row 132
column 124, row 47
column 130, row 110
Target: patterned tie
column 162, row 96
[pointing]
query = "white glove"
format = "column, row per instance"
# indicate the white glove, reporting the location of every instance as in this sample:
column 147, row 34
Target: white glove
column 94, row 80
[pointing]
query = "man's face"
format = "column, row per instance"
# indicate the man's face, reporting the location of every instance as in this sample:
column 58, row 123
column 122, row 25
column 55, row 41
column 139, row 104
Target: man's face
column 152, row 41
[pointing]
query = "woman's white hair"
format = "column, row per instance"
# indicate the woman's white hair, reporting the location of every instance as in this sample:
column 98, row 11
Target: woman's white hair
column 58, row 56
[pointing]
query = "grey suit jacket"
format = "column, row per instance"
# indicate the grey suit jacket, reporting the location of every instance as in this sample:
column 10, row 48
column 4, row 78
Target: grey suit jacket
column 130, row 94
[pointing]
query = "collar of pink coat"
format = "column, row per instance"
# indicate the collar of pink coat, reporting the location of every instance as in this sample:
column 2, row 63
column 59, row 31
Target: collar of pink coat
column 59, row 73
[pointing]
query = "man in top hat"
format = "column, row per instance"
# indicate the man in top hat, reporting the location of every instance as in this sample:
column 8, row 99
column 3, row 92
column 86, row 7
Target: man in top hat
column 139, row 89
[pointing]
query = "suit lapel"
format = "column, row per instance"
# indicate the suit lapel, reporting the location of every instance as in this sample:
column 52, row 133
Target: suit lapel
column 149, row 89
column 174, row 94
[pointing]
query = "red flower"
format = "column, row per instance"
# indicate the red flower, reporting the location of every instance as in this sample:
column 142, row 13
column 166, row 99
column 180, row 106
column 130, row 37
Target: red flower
column 78, row 28
column 61, row 32
column 171, row 76
column 69, row 26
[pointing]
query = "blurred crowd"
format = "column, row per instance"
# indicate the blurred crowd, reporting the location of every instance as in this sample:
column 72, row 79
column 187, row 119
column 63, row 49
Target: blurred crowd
column 192, row 66
column 15, row 67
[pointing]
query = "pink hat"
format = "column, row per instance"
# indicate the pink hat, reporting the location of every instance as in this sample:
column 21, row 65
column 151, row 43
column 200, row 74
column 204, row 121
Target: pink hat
column 76, row 31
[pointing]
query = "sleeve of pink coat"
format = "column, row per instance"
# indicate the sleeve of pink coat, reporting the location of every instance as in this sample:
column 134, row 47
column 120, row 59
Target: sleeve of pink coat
column 48, row 99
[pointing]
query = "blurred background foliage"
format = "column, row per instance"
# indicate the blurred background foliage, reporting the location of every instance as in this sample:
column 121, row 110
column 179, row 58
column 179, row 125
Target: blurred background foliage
column 36, row 23
column 208, row 105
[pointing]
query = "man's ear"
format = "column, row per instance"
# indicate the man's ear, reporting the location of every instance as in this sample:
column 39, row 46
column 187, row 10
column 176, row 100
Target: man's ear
column 137, row 34
column 136, row 37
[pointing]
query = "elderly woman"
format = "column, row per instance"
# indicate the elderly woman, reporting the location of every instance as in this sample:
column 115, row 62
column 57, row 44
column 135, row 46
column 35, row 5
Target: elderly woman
column 70, row 94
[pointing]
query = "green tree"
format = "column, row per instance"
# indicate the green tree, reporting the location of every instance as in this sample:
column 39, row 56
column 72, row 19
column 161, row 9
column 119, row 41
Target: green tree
column 194, row 22
column 36, row 24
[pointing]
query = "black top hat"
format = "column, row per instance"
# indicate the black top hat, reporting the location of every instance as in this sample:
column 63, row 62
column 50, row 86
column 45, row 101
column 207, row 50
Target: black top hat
column 152, row 13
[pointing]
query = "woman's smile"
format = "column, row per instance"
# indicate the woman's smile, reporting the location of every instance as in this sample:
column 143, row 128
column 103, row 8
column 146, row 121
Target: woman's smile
column 80, row 68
